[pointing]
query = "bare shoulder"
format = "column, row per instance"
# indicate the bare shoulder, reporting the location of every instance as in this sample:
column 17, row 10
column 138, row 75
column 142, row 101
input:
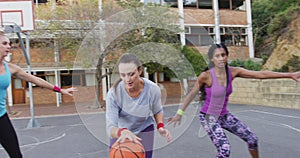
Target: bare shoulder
column 204, row 77
column 244, row 73
column 236, row 71
column 14, row 68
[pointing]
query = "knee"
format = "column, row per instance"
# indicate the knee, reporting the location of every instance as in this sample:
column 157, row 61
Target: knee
column 224, row 151
column 253, row 142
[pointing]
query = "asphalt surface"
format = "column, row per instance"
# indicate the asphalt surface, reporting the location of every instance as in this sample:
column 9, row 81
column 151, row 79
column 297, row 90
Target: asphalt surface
column 84, row 136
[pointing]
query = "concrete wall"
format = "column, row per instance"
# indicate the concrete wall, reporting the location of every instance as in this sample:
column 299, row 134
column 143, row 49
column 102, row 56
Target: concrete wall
column 283, row 93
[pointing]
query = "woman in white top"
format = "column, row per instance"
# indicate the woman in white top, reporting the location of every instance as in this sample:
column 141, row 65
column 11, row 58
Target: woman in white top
column 130, row 104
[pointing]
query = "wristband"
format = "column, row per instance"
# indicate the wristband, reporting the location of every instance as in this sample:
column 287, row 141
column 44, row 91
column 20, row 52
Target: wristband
column 56, row 89
column 159, row 125
column 120, row 130
column 180, row 112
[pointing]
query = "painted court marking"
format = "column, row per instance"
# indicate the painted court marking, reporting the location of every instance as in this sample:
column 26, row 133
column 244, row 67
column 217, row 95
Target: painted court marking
column 271, row 113
column 280, row 115
column 291, row 127
column 43, row 142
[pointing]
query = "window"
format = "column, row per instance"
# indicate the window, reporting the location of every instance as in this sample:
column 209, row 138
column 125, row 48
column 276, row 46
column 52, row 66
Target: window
column 205, row 4
column 90, row 79
column 152, row 1
column 198, row 30
column 190, row 3
column 70, row 78
column 199, row 40
column 244, row 31
column 227, row 39
column 235, row 36
column 18, row 83
column 187, row 30
column 40, row 1
column 206, row 40
column 211, row 30
column 192, row 40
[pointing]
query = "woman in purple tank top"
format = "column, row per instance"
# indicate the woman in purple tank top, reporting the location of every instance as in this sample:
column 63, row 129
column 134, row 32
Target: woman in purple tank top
column 215, row 85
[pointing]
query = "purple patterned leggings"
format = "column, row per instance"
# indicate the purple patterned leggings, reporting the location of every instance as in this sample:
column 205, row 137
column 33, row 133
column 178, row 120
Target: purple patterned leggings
column 215, row 125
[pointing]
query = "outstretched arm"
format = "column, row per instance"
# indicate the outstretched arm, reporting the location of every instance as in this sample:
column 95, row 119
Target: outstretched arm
column 243, row 73
column 19, row 73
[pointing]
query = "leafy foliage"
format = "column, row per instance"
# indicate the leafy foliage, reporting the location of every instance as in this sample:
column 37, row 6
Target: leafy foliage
column 195, row 58
column 248, row 64
column 267, row 16
column 281, row 21
column 152, row 35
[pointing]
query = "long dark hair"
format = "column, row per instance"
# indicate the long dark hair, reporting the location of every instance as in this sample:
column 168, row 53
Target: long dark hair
column 210, row 55
column 127, row 58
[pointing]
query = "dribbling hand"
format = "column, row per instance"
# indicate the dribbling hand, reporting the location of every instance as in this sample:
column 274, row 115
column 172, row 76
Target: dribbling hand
column 127, row 134
column 165, row 133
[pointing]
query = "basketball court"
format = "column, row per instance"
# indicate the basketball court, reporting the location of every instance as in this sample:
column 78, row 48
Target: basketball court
column 278, row 131
column 72, row 136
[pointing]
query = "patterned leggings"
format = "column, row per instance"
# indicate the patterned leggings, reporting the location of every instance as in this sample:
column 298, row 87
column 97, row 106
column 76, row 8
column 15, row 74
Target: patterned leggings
column 214, row 126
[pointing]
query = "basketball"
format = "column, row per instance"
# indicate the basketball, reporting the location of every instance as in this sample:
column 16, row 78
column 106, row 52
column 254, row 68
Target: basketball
column 127, row 149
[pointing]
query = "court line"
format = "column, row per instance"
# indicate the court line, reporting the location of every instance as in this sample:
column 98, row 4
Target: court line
column 271, row 113
column 276, row 114
column 46, row 141
column 291, row 127
column 38, row 143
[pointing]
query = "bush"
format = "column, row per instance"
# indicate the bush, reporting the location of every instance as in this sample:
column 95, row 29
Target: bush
column 281, row 21
column 248, row 64
column 195, row 59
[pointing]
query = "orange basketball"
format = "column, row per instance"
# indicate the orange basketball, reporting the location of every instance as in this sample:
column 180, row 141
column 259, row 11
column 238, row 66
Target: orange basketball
column 127, row 149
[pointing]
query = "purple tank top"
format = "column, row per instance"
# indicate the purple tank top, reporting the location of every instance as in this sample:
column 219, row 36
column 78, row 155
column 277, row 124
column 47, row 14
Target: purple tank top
column 217, row 96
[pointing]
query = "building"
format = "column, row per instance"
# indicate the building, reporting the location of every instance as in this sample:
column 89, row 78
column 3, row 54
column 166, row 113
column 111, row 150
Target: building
column 202, row 28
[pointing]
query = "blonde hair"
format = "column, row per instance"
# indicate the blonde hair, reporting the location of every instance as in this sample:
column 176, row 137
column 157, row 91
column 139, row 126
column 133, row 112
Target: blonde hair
column 2, row 33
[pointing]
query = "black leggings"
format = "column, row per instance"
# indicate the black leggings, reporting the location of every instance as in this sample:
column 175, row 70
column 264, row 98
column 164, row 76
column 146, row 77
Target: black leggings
column 8, row 137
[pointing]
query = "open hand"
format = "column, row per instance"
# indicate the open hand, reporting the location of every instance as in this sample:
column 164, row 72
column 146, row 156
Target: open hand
column 165, row 133
column 176, row 119
column 296, row 76
column 68, row 91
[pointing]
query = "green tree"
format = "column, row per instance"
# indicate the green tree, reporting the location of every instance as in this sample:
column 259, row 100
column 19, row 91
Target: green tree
column 195, row 58
column 150, row 31
column 247, row 64
column 67, row 24
column 264, row 13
